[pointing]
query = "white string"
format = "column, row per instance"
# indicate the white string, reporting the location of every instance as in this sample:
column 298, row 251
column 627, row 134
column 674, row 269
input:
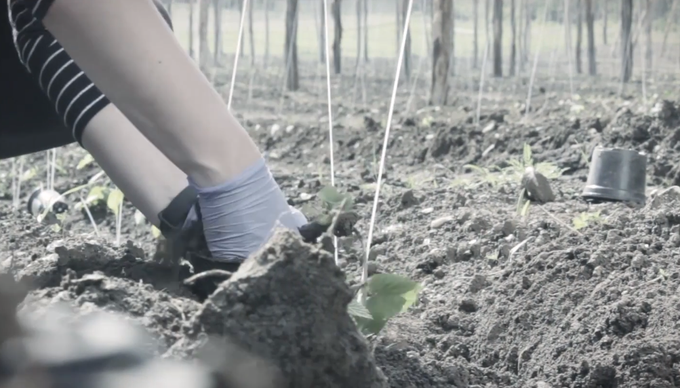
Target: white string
column 381, row 167
column 535, row 66
column 238, row 52
column 330, row 111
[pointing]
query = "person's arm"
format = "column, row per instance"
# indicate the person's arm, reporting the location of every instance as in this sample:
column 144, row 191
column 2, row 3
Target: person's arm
column 133, row 57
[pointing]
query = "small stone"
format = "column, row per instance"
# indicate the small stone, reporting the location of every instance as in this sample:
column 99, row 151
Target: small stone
column 490, row 127
column 468, row 306
column 475, row 248
column 613, row 236
column 439, row 274
column 427, row 210
column 504, row 251
column 305, row 196
column 408, row 199
column 526, row 283
column 537, row 186
column 597, row 259
column 638, row 261
column 439, row 222
column 376, row 251
column 451, row 253
column 478, row 283
column 509, row 227
column 598, row 272
column 665, row 197
column 674, row 240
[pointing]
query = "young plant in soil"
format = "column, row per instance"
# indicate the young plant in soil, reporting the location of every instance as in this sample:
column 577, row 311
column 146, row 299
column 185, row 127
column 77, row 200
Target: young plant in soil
column 385, row 295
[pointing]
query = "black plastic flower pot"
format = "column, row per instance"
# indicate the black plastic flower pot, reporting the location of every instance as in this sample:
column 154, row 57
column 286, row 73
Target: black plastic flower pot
column 616, row 175
column 40, row 200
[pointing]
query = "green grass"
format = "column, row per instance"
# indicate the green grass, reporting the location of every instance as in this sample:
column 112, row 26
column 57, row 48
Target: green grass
column 382, row 31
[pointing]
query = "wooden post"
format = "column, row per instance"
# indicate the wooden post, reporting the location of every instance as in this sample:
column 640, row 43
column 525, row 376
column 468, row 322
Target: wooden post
column 590, row 26
column 441, row 51
column 498, row 38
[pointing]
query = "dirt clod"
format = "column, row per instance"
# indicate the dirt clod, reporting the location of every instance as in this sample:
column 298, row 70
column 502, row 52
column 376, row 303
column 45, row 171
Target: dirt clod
column 299, row 287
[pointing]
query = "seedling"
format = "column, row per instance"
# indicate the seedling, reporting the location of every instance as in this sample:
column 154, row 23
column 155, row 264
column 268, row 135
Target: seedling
column 583, row 220
column 140, row 218
column 85, row 161
column 387, row 295
column 89, row 215
column 115, row 203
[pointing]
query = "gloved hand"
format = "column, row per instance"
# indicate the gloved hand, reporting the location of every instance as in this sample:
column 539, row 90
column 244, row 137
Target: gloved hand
column 240, row 215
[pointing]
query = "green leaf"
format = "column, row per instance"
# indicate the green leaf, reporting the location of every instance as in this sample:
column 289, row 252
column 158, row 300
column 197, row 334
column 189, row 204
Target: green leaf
column 384, row 307
column 391, row 284
column 85, row 161
column 528, row 160
column 114, row 201
column 370, row 326
column 525, row 209
column 389, row 295
column 155, row 232
column 356, row 309
column 330, row 196
column 97, row 193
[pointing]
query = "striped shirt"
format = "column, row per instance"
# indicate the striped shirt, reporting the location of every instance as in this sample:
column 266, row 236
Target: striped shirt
column 74, row 96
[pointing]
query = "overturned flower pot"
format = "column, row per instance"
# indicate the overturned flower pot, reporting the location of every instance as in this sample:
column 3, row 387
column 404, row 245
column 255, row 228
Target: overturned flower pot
column 287, row 304
column 616, row 175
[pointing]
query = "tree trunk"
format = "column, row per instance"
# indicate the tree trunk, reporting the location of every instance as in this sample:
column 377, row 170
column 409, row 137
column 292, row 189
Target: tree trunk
column 648, row 35
column 407, row 46
column 292, row 76
column 567, row 30
column 359, row 29
column 605, row 16
column 520, row 36
column 513, row 43
column 498, row 38
column 322, row 37
column 579, row 36
column 669, row 24
column 441, row 47
column 204, row 50
column 590, row 26
column 487, row 17
column 365, row 2
column 527, row 31
column 337, row 37
column 217, row 50
column 266, row 32
column 626, row 40
column 475, row 39
column 251, row 34
column 398, row 25
column 452, row 57
column 192, row 52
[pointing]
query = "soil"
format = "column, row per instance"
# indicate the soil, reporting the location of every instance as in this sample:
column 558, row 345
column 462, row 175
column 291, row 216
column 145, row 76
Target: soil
column 567, row 294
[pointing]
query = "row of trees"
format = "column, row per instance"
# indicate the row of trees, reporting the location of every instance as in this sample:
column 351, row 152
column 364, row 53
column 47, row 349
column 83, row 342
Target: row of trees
column 440, row 44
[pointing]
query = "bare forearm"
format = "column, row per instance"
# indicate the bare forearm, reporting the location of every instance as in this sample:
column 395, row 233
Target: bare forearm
column 154, row 83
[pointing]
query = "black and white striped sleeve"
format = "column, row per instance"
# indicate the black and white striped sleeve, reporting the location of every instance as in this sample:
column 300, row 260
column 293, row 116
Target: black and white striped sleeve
column 75, row 97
